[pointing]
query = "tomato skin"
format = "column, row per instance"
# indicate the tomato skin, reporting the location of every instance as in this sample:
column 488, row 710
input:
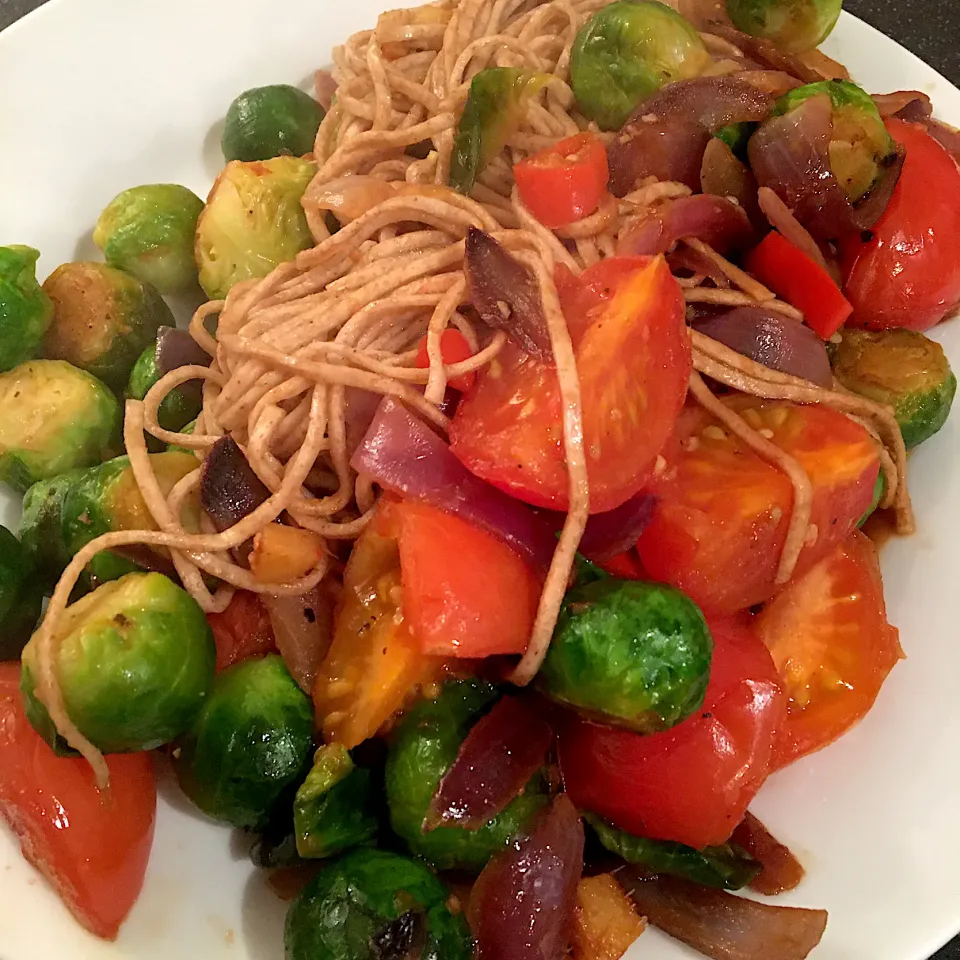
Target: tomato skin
column 91, row 847
column 242, row 631
column 634, row 360
column 565, row 182
column 691, row 783
column 465, row 592
column 454, row 349
column 829, row 637
column 908, row 273
column 722, row 512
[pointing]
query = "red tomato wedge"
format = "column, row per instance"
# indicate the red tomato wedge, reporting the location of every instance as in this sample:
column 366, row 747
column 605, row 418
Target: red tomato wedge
column 905, row 272
column 91, row 847
column 565, row 182
column 242, row 631
column 626, row 317
column 454, row 349
column 722, row 511
column 798, row 280
column 691, row 783
column 465, row 592
column 829, row 637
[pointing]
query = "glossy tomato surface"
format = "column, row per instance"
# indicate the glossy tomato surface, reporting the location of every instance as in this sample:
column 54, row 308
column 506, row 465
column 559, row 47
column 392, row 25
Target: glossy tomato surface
column 242, row 631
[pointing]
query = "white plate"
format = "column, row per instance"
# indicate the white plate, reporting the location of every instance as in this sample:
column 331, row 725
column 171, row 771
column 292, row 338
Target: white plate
column 99, row 95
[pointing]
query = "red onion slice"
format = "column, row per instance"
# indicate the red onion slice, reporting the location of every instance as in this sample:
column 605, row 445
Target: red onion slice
column 522, row 904
column 303, row 629
column 723, row 926
column 501, row 753
column 176, row 348
column 229, row 489
column 772, row 339
column 910, row 105
column 780, row 869
column 948, row 137
column 404, row 455
column 505, row 293
column 608, row 534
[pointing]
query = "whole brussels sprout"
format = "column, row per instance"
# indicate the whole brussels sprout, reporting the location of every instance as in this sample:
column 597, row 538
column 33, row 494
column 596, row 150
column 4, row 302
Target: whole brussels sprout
column 252, row 221
column 249, row 744
column 271, row 121
column 374, row 905
column 630, row 654
column 425, row 745
column 135, row 665
column 25, row 310
column 41, row 529
column 333, row 809
column 107, row 498
column 55, row 418
column 103, row 319
column 627, row 51
column 902, row 368
column 179, row 406
column 21, row 596
column 148, row 231
column 793, row 25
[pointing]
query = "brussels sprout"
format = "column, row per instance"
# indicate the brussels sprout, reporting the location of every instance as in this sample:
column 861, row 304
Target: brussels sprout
column 102, row 319
column 879, row 489
column 269, row 122
column 631, row 654
column 253, row 220
column 55, row 418
column 25, row 310
column 191, row 427
column 425, row 745
column 135, row 664
column 179, row 406
column 902, row 368
column 726, row 867
column 495, row 105
column 20, row 596
column 333, row 809
column 793, row 25
column 625, row 52
column 148, row 231
column 860, row 146
column 250, row 743
column 374, row 905
column 108, row 498
column 41, row 530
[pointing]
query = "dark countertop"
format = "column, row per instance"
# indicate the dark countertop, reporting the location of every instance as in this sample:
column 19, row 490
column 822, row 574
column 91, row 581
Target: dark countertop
column 929, row 28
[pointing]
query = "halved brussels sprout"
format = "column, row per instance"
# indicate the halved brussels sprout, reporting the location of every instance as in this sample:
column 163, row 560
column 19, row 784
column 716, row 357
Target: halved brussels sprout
column 270, row 122
column 902, row 368
column 625, row 52
column 333, row 809
column 250, row 743
column 41, row 524
column 135, row 665
column 629, row 653
column 793, row 25
column 21, row 596
column 252, row 221
column 103, row 319
column 374, row 905
column 494, row 108
column 860, row 146
column 148, row 231
column 425, row 744
column 55, row 418
column 25, row 310
column 179, row 406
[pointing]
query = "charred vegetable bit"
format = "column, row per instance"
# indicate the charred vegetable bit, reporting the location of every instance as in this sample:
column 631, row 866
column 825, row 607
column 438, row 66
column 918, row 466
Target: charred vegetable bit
column 25, row 310
column 793, row 25
column 135, row 665
column 270, row 121
column 374, row 905
column 21, row 594
column 902, row 368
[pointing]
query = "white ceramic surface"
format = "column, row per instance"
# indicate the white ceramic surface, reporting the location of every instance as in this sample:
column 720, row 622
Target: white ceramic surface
column 98, row 95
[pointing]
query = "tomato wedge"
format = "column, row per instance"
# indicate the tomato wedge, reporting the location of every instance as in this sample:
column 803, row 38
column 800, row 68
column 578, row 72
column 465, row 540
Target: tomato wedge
column 829, row 637
column 722, row 511
column 92, row 847
column 454, row 349
column 242, row 631
column 691, row 783
column 565, row 182
column 626, row 317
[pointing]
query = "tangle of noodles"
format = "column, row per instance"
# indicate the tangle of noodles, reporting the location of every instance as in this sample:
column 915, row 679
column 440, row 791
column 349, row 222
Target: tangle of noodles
column 349, row 313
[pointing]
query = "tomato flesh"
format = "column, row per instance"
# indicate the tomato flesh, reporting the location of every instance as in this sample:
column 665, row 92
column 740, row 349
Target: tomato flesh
column 634, row 359
column 722, row 512
column 830, row 640
column 691, row 783
column 242, row 631
column 92, row 847
column 454, row 349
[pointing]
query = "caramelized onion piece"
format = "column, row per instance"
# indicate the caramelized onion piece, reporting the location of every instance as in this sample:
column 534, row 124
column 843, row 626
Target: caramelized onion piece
column 229, row 489
column 780, row 869
column 303, row 628
column 910, row 105
column 725, row 175
column 766, row 53
column 723, row 926
column 501, row 753
column 522, row 904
